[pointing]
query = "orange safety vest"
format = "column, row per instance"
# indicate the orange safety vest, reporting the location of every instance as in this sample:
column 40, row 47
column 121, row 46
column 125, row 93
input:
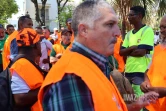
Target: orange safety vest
column 6, row 49
column 117, row 46
column 28, row 72
column 59, row 49
column 105, row 94
column 157, row 76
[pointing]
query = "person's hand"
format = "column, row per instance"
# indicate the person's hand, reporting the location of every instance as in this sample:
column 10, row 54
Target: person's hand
column 144, row 86
column 160, row 90
column 58, row 56
column 146, row 99
column 45, row 61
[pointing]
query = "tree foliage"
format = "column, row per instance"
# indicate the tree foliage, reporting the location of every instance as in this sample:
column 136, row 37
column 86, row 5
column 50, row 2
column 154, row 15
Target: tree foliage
column 64, row 11
column 40, row 19
column 7, row 8
column 65, row 14
column 122, row 8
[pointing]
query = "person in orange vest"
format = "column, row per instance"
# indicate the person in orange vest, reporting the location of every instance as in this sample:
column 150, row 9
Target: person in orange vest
column 81, row 79
column 120, row 59
column 59, row 49
column 155, row 78
column 26, row 78
column 3, row 38
column 10, row 46
column 10, row 29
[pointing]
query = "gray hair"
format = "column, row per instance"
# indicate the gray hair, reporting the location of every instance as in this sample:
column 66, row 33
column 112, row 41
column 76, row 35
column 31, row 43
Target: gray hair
column 87, row 12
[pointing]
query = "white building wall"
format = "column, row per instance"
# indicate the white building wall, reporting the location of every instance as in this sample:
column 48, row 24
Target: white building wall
column 51, row 5
column 27, row 5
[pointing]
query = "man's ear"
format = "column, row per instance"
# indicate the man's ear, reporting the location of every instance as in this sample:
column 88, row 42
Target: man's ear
column 83, row 30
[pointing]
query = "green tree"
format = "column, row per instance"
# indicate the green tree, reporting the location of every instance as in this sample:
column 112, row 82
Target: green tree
column 152, row 7
column 64, row 11
column 7, row 8
column 40, row 18
column 65, row 14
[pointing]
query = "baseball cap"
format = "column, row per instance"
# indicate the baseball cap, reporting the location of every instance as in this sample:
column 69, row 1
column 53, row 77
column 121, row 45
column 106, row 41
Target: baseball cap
column 27, row 37
column 65, row 31
column 69, row 20
column 55, row 29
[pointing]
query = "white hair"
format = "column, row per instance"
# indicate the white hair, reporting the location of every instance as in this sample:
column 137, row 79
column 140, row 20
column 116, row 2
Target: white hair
column 87, row 13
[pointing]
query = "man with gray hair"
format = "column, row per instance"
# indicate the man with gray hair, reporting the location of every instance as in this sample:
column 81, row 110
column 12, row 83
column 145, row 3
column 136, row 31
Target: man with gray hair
column 80, row 80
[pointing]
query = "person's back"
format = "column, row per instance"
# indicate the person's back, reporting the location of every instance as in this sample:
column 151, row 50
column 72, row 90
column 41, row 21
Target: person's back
column 26, row 78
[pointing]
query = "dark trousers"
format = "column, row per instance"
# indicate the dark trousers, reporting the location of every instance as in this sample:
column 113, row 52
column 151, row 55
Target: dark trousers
column 1, row 68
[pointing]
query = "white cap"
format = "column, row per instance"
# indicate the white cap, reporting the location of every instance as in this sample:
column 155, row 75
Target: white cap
column 55, row 29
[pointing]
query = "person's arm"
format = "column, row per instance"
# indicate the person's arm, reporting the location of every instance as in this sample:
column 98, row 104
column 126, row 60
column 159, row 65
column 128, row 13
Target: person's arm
column 26, row 99
column 160, row 90
column 65, row 93
column 23, row 96
column 143, row 101
column 48, row 44
column 138, row 53
column 146, row 84
column 127, row 51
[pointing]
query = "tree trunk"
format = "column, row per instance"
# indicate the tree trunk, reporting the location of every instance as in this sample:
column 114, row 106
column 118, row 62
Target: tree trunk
column 123, row 28
column 43, row 14
column 144, row 2
column 37, row 17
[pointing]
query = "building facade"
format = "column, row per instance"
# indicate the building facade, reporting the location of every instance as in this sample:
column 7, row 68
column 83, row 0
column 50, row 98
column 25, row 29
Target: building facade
column 25, row 6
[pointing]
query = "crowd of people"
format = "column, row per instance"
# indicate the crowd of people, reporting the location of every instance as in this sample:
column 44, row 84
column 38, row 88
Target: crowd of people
column 73, row 66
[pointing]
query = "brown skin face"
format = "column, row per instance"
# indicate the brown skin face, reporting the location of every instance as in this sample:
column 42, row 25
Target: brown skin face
column 163, row 27
column 10, row 30
column 46, row 33
column 2, row 33
column 134, row 17
column 66, row 38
